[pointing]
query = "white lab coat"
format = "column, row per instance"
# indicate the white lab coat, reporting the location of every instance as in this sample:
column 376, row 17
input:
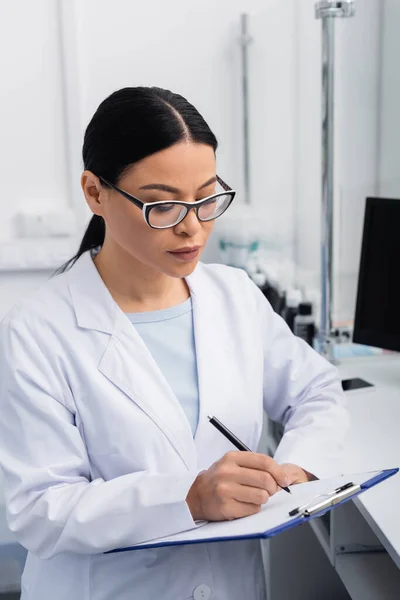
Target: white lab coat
column 97, row 452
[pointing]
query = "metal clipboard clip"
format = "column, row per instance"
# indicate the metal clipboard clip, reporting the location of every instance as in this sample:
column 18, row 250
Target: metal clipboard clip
column 323, row 501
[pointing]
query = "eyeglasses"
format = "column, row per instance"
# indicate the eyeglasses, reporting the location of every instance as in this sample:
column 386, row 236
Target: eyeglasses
column 168, row 213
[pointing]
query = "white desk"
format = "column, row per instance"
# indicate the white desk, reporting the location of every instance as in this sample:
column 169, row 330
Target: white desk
column 374, row 443
column 360, row 539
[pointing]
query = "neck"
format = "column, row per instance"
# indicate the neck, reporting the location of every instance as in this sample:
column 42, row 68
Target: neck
column 136, row 287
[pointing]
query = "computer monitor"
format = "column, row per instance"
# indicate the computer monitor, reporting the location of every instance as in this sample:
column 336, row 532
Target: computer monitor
column 377, row 319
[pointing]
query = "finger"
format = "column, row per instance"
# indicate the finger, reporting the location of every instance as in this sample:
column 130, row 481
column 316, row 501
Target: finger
column 251, row 460
column 261, row 462
column 250, row 495
column 296, row 474
column 257, row 479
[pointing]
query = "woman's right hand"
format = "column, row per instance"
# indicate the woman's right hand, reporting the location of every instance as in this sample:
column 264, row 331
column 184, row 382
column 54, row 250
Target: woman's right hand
column 235, row 486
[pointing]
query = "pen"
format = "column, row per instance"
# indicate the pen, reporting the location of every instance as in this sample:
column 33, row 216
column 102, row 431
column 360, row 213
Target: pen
column 234, row 440
column 331, row 498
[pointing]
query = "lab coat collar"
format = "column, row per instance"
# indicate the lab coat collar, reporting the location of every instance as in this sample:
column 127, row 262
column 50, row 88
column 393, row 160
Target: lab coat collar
column 95, row 309
column 94, row 306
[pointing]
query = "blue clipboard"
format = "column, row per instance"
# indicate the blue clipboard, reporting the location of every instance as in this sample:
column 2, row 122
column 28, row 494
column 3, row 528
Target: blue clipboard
column 290, row 523
column 366, row 485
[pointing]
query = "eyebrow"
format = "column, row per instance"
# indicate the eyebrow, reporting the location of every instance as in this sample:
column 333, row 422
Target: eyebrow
column 172, row 190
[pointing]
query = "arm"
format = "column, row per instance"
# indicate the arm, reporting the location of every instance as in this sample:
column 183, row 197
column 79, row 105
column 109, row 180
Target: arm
column 303, row 392
column 52, row 504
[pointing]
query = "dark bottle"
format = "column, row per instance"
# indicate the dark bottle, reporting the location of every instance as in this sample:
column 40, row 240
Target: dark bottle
column 293, row 300
column 304, row 325
column 274, row 293
column 260, row 279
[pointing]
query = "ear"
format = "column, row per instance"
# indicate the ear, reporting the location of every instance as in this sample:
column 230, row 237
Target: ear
column 94, row 192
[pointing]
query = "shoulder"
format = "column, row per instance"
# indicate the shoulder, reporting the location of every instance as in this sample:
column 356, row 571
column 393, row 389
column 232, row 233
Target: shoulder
column 222, row 276
column 228, row 280
column 231, row 286
column 47, row 305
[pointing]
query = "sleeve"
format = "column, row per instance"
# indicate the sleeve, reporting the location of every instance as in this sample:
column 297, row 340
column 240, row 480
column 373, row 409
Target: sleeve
column 302, row 391
column 52, row 505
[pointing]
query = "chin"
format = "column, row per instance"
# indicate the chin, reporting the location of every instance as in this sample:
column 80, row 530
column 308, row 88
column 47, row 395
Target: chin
column 183, row 270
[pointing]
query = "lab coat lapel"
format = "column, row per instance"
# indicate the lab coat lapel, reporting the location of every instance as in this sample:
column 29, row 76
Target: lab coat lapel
column 214, row 350
column 127, row 363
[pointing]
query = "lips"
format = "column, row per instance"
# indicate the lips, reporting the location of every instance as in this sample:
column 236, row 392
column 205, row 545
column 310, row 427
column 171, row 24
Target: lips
column 185, row 250
column 188, row 253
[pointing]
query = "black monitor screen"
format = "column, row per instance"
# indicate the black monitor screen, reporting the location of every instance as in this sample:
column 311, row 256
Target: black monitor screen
column 377, row 321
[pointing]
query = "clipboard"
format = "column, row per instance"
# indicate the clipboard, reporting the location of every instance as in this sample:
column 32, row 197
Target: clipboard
column 312, row 499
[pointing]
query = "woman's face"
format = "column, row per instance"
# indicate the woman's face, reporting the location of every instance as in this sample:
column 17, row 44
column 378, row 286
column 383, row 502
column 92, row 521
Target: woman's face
column 187, row 172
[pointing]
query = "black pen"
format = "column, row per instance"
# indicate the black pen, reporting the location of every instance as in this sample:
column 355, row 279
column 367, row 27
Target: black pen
column 234, row 440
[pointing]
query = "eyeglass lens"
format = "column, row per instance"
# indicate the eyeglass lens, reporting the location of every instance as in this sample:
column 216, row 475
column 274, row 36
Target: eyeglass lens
column 169, row 214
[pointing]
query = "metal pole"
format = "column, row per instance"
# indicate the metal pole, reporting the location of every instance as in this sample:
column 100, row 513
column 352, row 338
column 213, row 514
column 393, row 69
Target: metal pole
column 328, row 48
column 245, row 40
column 327, row 10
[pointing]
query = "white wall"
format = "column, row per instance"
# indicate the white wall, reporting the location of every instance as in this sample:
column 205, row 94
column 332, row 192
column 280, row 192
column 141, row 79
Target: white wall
column 357, row 114
column 286, row 132
column 32, row 142
column 308, row 139
column 273, row 98
column 189, row 47
column 389, row 122
column 193, row 48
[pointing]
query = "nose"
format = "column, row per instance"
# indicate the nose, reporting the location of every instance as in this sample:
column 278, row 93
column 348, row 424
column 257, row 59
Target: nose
column 190, row 224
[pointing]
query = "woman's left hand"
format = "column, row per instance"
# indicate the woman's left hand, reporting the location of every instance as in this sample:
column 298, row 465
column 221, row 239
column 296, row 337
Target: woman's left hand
column 296, row 474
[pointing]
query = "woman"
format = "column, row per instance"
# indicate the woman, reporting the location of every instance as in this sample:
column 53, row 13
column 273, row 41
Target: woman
column 108, row 373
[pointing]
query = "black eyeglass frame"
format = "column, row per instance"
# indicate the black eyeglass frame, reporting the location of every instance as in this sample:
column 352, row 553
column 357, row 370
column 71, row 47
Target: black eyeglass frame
column 147, row 206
